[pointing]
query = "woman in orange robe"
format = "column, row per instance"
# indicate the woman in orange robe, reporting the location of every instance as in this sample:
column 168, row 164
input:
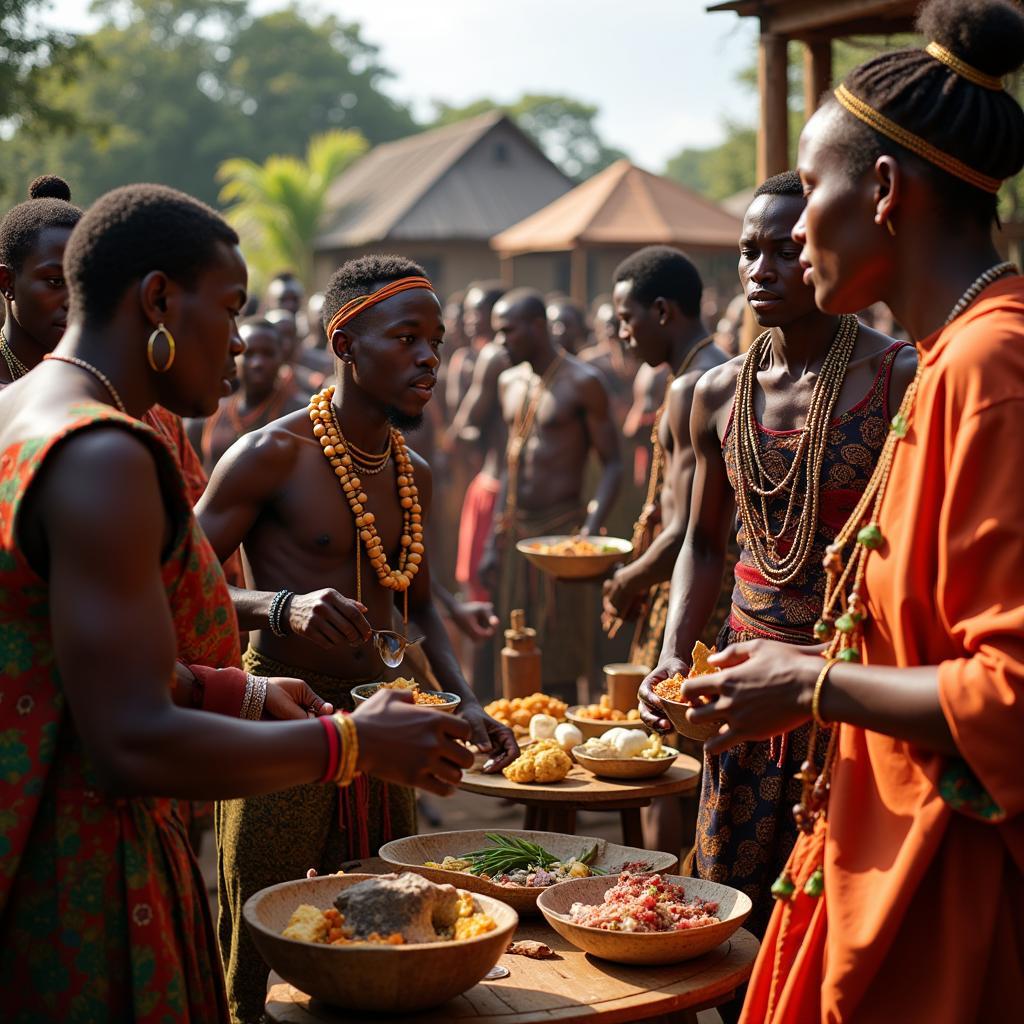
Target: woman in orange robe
column 920, row 914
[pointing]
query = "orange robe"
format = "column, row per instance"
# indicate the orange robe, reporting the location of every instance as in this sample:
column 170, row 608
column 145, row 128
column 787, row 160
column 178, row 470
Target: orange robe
column 922, row 917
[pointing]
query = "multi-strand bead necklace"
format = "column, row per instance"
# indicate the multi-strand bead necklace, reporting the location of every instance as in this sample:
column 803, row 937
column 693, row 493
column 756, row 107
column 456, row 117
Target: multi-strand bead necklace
column 15, row 367
column 757, row 486
column 347, row 461
column 841, row 625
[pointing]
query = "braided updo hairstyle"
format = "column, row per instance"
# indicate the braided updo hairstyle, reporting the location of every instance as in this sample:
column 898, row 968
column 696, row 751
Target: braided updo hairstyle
column 981, row 127
column 48, row 206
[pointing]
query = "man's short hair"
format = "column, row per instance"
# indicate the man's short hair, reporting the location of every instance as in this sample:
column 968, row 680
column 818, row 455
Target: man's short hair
column 787, row 183
column 362, row 277
column 660, row 271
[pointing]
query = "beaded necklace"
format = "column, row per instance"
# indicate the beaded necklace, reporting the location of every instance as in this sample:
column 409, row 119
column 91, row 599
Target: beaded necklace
column 98, row 374
column 339, row 454
column 844, row 632
column 15, row 367
column 755, row 478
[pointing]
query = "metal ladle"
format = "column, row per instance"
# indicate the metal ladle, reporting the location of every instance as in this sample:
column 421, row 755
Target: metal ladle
column 391, row 646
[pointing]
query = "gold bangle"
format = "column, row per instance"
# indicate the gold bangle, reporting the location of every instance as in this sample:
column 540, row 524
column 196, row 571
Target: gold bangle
column 816, row 694
column 349, row 738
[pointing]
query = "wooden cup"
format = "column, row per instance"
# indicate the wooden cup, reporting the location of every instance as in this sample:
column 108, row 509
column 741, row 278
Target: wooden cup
column 622, row 682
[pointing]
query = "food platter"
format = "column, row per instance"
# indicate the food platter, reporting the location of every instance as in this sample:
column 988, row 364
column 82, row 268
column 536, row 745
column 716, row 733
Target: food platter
column 574, row 566
column 411, row 853
column 626, row 767
column 451, row 701
column 594, row 727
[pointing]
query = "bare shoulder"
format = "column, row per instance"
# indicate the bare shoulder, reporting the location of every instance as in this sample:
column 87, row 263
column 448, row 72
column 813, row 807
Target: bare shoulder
column 266, row 457
column 716, row 388
column 586, row 377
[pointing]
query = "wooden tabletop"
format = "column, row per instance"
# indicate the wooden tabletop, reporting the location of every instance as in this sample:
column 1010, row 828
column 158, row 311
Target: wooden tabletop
column 579, row 787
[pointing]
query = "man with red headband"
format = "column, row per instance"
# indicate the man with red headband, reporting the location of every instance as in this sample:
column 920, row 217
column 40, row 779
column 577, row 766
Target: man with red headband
column 330, row 508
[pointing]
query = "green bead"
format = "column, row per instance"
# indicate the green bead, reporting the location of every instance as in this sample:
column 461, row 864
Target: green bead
column 870, row 536
column 824, row 630
column 845, row 623
column 815, row 885
column 783, row 887
column 899, row 425
column 850, row 654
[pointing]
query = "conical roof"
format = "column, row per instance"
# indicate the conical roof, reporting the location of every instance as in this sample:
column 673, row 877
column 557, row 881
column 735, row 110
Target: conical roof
column 623, row 205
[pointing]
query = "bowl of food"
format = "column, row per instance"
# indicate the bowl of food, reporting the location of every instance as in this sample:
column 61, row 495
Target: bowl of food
column 643, row 918
column 434, row 699
column 382, row 943
column 625, row 754
column 669, row 692
column 518, row 712
column 594, row 719
column 514, row 866
column 575, row 557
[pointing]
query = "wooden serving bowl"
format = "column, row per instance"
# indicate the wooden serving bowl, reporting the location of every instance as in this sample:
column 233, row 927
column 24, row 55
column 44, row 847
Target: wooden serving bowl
column 675, row 712
column 362, row 693
column 379, row 978
column 409, row 854
column 626, row 767
column 594, row 727
column 575, row 567
column 645, row 947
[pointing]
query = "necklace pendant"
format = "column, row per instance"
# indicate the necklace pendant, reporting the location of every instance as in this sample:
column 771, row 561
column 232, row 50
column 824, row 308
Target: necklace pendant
column 815, row 885
column 783, row 887
column 870, row 537
column 899, row 425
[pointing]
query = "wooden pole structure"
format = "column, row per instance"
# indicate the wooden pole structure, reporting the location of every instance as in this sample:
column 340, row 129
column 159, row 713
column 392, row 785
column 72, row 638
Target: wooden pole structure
column 773, row 86
column 817, row 72
column 508, row 274
column 578, row 275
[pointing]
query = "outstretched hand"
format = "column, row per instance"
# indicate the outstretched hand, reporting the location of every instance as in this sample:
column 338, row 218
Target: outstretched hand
column 491, row 737
column 475, row 619
column 652, row 711
column 292, row 698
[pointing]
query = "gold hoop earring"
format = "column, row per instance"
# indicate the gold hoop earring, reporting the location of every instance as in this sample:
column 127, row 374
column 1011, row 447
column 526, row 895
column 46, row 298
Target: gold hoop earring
column 890, row 228
column 160, row 329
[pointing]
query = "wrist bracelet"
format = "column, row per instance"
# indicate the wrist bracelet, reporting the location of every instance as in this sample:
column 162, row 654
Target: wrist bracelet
column 819, row 683
column 333, row 749
column 276, row 613
column 349, row 743
column 255, row 697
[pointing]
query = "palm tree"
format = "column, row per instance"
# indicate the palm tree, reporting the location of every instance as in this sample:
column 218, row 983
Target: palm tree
column 278, row 206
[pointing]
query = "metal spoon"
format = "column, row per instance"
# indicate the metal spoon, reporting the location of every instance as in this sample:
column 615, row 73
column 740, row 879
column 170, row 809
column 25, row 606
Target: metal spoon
column 391, row 646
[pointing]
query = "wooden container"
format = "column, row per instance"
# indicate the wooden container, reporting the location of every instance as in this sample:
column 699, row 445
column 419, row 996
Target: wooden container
column 622, row 682
column 520, row 659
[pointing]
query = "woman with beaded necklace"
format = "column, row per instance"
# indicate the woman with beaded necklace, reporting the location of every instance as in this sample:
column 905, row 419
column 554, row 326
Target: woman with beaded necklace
column 912, row 838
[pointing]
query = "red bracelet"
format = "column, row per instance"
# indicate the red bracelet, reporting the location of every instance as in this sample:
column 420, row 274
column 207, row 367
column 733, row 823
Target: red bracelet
column 333, row 748
column 223, row 689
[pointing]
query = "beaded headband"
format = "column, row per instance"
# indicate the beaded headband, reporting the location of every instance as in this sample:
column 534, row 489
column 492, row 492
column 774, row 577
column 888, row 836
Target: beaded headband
column 962, row 68
column 924, row 149
column 354, row 307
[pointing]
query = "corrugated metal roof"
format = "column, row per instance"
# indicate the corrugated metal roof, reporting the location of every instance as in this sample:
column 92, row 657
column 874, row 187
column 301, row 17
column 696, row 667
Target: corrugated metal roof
column 623, row 205
column 430, row 186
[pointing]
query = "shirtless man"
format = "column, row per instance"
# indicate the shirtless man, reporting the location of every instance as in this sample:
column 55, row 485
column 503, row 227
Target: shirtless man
column 568, row 325
column 609, row 355
column 476, row 323
column 746, row 827
column 556, row 409
column 315, row 594
column 260, row 398
column 657, row 300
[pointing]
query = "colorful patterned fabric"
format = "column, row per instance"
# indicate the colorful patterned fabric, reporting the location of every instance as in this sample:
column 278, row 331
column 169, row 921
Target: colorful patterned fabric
column 745, row 827
column 276, row 837
column 103, row 913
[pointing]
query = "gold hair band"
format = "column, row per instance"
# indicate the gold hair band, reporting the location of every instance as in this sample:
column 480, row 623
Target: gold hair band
column 962, row 68
column 924, row 149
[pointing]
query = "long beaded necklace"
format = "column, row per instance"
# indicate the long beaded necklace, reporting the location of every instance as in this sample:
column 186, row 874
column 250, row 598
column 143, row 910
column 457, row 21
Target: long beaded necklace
column 339, row 454
column 756, row 479
column 844, row 632
column 520, row 434
column 98, row 374
column 15, row 367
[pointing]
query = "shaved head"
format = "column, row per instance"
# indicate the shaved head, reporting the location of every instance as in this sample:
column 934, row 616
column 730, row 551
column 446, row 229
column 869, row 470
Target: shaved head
column 524, row 304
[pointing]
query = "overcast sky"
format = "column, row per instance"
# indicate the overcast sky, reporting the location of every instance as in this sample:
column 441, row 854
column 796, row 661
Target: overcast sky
column 663, row 72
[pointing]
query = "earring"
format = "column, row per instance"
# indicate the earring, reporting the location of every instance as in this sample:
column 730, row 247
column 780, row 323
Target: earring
column 891, row 229
column 152, row 342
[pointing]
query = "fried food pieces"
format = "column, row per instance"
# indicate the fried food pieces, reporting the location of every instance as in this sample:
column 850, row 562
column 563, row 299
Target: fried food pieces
column 672, row 689
column 543, row 761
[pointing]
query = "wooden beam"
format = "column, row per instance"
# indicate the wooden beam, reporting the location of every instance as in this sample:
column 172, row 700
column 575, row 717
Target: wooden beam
column 817, row 72
column 773, row 87
column 796, row 17
column 578, row 275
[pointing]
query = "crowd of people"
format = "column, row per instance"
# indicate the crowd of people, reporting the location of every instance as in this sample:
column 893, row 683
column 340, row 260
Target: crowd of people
column 210, row 505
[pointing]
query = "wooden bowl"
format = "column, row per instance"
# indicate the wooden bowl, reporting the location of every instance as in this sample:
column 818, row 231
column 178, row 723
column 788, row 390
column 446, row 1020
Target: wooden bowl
column 647, row 947
column 675, row 712
column 384, row 979
column 409, row 855
column 593, row 727
column 626, row 767
column 362, row 693
column 575, row 567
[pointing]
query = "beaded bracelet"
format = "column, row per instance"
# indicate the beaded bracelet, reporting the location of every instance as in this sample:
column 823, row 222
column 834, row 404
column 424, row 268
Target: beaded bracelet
column 276, row 613
column 333, row 749
column 255, row 697
column 816, row 694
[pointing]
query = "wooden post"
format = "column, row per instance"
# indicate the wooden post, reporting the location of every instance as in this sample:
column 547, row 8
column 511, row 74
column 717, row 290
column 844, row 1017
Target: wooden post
column 578, row 275
column 508, row 275
column 773, row 128
column 817, row 72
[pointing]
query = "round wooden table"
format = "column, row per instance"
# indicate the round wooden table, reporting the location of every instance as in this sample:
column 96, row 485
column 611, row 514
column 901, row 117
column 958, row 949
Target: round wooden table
column 552, row 807
column 572, row 986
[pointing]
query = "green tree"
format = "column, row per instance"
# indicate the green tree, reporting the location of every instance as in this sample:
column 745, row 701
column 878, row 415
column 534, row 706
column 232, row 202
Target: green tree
column 563, row 127
column 277, row 206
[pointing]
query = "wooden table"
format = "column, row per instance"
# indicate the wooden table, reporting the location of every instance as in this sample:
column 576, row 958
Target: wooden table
column 552, row 807
column 571, row 987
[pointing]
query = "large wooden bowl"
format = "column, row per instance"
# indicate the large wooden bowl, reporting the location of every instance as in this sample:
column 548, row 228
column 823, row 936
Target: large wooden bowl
column 626, row 767
column 364, row 691
column 410, row 854
column 575, row 567
column 675, row 712
column 594, row 727
column 647, row 947
column 384, row 979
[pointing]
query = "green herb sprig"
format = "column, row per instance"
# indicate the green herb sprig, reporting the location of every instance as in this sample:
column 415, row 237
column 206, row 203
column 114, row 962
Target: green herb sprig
column 512, row 853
